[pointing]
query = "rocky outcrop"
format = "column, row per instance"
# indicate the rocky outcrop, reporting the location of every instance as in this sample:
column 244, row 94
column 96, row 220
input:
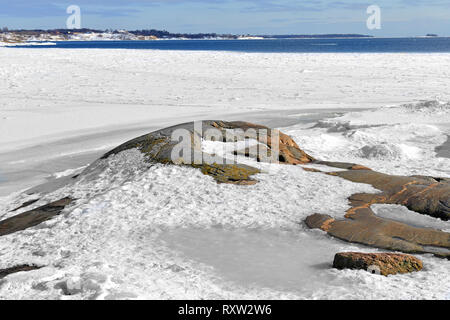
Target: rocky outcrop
column 425, row 195
column 158, row 147
column 368, row 229
column 378, row 263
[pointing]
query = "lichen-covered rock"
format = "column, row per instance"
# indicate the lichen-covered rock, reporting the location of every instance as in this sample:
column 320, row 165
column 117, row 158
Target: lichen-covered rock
column 382, row 263
column 159, row 146
column 232, row 173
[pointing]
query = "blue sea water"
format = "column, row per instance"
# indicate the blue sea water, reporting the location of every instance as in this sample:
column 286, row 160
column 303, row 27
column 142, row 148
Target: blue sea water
column 382, row 45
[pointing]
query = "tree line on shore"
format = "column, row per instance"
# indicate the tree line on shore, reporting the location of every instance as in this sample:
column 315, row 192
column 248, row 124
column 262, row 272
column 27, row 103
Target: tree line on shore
column 166, row 34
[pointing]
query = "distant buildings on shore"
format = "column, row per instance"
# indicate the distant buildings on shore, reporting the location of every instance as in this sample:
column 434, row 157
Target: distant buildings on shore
column 19, row 36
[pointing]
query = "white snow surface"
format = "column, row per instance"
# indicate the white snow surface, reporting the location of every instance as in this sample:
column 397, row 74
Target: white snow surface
column 396, row 140
column 15, row 44
column 167, row 232
column 63, row 92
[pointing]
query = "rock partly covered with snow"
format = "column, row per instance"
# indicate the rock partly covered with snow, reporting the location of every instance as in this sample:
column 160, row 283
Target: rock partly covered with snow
column 15, row 269
column 34, row 217
column 426, row 195
column 378, row 263
column 209, row 149
column 159, row 147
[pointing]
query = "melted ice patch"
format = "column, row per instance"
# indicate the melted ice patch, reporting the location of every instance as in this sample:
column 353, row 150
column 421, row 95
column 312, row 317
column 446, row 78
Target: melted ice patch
column 402, row 214
column 280, row 260
column 298, row 262
column 323, row 168
column 68, row 172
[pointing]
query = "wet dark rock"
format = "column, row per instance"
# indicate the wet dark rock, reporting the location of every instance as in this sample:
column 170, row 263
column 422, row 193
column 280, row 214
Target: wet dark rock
column 25, row 204
column 15, row 269
column 33, row 217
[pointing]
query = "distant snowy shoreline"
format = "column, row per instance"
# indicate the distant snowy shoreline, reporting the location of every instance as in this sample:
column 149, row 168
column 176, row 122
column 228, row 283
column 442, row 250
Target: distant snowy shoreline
column 29, row 43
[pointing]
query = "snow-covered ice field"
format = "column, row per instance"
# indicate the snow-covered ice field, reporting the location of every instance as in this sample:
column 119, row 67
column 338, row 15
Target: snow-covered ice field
column 171, row 232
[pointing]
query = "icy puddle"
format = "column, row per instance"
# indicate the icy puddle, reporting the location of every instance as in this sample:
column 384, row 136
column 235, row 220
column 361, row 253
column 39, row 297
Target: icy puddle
column 266, row 258
column 402, row 214
column 443, row 150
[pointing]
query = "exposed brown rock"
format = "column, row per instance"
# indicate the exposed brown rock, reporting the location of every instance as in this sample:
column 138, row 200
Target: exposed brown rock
column 319, row 221
column 368, row 229
column 421, row 194
column 158, row 146
column 289, row 151
column 425, row 195
column 382, row 263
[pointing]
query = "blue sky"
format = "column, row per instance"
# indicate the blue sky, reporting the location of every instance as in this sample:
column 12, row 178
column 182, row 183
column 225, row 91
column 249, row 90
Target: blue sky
column 399, row 17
